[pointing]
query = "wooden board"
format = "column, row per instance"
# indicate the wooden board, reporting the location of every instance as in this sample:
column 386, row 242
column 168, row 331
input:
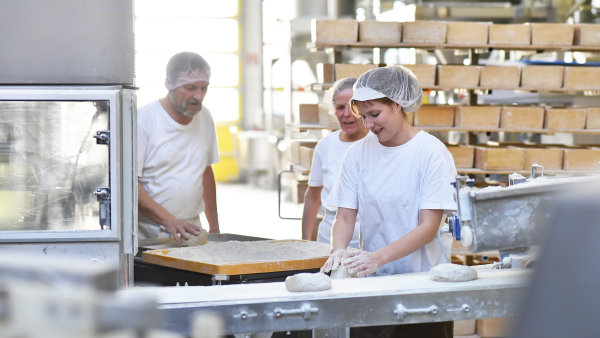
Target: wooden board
column 379, row 31
column 162, row 257
column 510, row 34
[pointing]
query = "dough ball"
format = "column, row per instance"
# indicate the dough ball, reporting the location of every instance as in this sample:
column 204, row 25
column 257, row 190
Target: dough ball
column 342, row 272
column 452, row 273
column 194, row 240
column 305, row 281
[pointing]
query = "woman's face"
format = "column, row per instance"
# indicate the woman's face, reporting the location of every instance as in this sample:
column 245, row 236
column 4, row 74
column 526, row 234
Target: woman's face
column 350, row 125
column 384, row 120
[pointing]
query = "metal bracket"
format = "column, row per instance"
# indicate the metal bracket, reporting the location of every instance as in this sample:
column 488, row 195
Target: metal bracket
column 400, row 312
column 305, row 310
column 102, row 137
column 464, row 308
column 217, row 279
column 243, row 315
column 103, row 197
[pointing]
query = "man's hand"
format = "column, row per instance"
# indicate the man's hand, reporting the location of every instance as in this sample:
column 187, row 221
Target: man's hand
column 179, row 229
column 362, row 263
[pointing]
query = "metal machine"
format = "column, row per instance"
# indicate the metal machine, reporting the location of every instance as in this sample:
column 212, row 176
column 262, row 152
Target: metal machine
column 67, row 130
column 509, row 219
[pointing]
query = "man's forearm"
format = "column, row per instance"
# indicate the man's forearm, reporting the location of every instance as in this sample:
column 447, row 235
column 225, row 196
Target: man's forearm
column 151, row 209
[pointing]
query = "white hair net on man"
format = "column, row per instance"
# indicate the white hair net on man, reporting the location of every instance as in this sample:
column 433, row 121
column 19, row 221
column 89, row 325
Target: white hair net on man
column 397, row 83
column 184, row 68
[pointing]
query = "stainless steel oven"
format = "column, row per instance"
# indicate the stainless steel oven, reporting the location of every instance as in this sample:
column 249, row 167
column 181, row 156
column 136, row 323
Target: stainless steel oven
column 67, row 173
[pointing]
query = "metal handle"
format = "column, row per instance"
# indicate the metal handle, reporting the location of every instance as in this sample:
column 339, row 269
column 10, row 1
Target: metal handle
column 305, row 310
column 102, row 137
column 103, row 197
column 279, row 194
column 402, row 311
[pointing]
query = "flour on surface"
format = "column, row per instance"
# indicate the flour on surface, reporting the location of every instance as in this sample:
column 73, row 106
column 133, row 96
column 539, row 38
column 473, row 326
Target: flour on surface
column 234, row 252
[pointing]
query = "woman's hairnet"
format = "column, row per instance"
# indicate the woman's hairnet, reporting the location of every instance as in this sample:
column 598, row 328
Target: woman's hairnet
column 184, row 68
column 397, row 83
column 341, row 85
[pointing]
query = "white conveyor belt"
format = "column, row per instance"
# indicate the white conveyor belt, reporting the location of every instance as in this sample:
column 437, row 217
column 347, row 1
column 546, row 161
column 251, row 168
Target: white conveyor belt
column 407, row 298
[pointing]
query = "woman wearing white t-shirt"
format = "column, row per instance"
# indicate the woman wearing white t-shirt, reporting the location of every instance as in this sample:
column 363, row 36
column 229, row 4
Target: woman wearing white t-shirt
column 327, row 161
column 397, row 180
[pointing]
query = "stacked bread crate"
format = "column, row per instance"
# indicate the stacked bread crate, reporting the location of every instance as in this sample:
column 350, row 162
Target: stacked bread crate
column 483, row 159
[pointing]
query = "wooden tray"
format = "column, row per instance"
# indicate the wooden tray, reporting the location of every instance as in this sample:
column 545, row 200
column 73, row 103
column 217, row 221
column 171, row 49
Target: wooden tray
column 162, row 257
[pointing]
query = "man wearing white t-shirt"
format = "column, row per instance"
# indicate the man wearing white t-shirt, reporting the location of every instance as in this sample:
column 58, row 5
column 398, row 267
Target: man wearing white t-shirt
column 177, row 145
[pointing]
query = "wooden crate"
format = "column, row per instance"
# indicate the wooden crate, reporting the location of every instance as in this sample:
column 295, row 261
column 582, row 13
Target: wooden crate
column 424, row 31
column 326, row 117
column 552, row 34
column 299, row 188
column 334, row 31
column 380, row 32
column 308, row 113
column 499, row 158
column 464, row 327
column 549, row 158
column 510, row 34
column 495, row 327
column 457, row 76
column 519, row 117
column 500, row 77
column 564, row 118
column 467, row 33
column 587, row 35
column 477, row 117
column 542, row 77
column 582, row 78
column 592, row 118
column 434, row 116
column 343, row 70
column 306, row 156
column 581, row 158
column 425, row 74
column 325, row 73
column 463, row 155
column 295, row 149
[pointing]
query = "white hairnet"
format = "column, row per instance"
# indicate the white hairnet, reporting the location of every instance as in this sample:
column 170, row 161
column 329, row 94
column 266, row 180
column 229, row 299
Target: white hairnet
column 341, row 85
column 184, row 68
column 397, row 83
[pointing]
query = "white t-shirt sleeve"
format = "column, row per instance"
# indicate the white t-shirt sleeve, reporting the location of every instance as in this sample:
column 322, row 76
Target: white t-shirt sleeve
column 142, row 142
column 316, row 171
column 437, row 191
column 213, row 148
column 344, row 193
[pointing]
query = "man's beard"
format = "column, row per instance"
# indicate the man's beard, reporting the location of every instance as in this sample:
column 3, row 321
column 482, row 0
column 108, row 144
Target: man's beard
column 182, row 109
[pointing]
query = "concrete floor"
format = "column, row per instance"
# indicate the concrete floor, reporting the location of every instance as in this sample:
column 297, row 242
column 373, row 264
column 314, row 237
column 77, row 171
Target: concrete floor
column 248, row 210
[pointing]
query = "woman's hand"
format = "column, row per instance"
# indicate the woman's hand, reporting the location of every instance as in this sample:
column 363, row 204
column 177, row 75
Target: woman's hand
column 334, row 261
column 362, row 263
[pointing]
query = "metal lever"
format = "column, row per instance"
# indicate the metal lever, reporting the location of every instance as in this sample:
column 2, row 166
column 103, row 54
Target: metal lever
column 305, row 310
column 402, row 311
column 291, row 170
column 102, row 137
column 103, row 197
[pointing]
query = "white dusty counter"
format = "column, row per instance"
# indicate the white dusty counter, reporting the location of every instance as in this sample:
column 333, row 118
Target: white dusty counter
column 408, row 298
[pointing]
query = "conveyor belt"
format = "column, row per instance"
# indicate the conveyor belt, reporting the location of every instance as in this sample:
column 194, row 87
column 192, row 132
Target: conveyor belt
column 409, row 298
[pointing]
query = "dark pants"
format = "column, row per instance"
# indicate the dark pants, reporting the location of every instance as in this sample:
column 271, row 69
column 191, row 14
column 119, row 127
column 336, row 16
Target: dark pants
column 421, row 330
